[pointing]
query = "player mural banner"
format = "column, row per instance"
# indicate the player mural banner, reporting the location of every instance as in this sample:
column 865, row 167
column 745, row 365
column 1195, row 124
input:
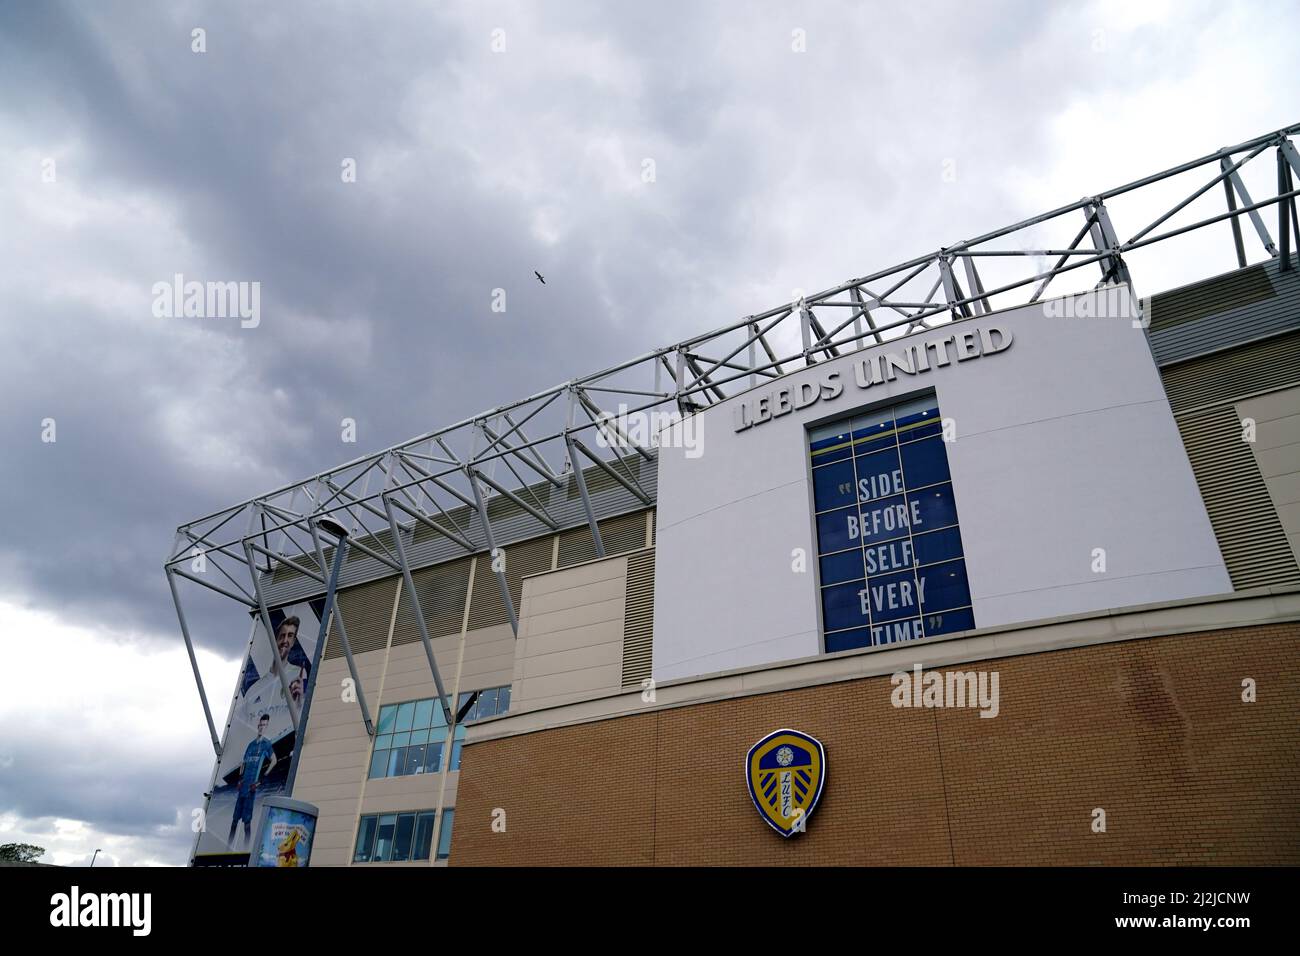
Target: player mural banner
column 260, row 742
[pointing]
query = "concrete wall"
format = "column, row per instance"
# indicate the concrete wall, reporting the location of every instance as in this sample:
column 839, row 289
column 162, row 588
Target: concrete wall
column 570, row 634
column 1277, row 452
column 1153, row 730
column 1065, row 443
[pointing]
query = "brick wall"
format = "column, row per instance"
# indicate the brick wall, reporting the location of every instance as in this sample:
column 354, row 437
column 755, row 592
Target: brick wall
column 1154, row 731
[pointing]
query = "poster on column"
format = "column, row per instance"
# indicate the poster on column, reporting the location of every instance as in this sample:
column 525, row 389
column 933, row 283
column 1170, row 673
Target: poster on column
column 259, row 744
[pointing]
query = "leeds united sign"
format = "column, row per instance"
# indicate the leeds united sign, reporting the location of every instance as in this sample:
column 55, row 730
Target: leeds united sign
column 910, row 359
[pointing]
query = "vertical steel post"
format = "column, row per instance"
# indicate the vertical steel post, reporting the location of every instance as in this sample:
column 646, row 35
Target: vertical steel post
column 347, row 647
column 300, row 740
column 194, row 663
column 492, row 544
column 448, row 712
column 265, row 615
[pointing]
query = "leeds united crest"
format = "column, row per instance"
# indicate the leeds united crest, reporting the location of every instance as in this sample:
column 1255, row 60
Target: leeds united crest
column 786, row 772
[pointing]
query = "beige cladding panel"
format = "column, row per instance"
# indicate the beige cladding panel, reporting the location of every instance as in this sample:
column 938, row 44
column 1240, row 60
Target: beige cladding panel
column 335, row 756
column 489, row 659
column 1277, row 452
column 570, row 634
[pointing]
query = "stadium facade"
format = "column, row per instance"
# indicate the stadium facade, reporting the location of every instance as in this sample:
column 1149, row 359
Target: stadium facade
column 929, row 568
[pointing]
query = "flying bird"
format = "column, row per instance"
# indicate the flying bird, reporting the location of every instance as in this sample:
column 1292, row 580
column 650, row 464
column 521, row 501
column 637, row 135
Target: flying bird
column 540, row 278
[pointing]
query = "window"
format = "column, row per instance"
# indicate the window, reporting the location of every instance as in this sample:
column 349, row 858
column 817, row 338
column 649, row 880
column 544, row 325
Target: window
column 889, row 547
column 411, row 737
column 384, row 844
column 365, row 840
column 444, row 835
column 394, row 837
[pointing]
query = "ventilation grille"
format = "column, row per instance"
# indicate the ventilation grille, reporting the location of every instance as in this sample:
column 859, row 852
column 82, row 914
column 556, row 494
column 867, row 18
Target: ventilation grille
column 487, row 606
column 1220, row 294
column 1231, row 376
column 639, row 618
column 598, row 480
column 442, row 591
column 367, row 611
column 1251, row 538
column 619, row 535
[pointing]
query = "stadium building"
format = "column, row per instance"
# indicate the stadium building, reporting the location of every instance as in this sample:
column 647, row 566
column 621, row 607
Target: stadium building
column 990, row 557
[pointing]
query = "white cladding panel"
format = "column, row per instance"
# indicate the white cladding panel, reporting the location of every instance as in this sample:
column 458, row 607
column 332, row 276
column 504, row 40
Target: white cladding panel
column 1065, row 443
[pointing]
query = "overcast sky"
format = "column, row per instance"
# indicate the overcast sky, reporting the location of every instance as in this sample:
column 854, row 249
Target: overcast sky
column 775, row 169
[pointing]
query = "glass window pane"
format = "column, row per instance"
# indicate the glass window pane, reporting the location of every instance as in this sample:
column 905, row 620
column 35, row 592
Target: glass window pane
column 365, row 840
column 405, row 716
column 503, row 700
column 414, row 760
column 838, row 530
column 419, row 737
column 888, row 556
column 948, row 622
column 384, row 841
column 433, row 758
column 401, row 740
column 487, row 703
column 845, row 566
column 423, row 713
column 944, row 586
column 893, row 597
column 402, row 837
column 460, row 703
column 925, row 462
column 842, row 606
column 847, row 640
column 884, row 520
column 439, row 718
column 444, row 835
column 384, row 742
column 423, row 836
column 873, row 432
column 879, row 475
column 455, row 756
column 918, row 418
column 395, row 760
column 895, row 632
column 937, row 546
column 387, row 717
column 829, row 443
column 933, row 508
column 379, row 764
column 833, row 486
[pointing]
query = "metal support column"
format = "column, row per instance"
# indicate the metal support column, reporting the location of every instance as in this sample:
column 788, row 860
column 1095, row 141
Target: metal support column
column 347, row 647
column 265, row 615
column 409, row 582
column 300, row 741
column 194, row 663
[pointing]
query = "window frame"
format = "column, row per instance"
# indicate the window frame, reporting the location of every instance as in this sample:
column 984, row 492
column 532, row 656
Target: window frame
column 846, row 418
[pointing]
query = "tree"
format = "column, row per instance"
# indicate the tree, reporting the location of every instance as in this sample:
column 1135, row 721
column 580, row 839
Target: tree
column 21, row 852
